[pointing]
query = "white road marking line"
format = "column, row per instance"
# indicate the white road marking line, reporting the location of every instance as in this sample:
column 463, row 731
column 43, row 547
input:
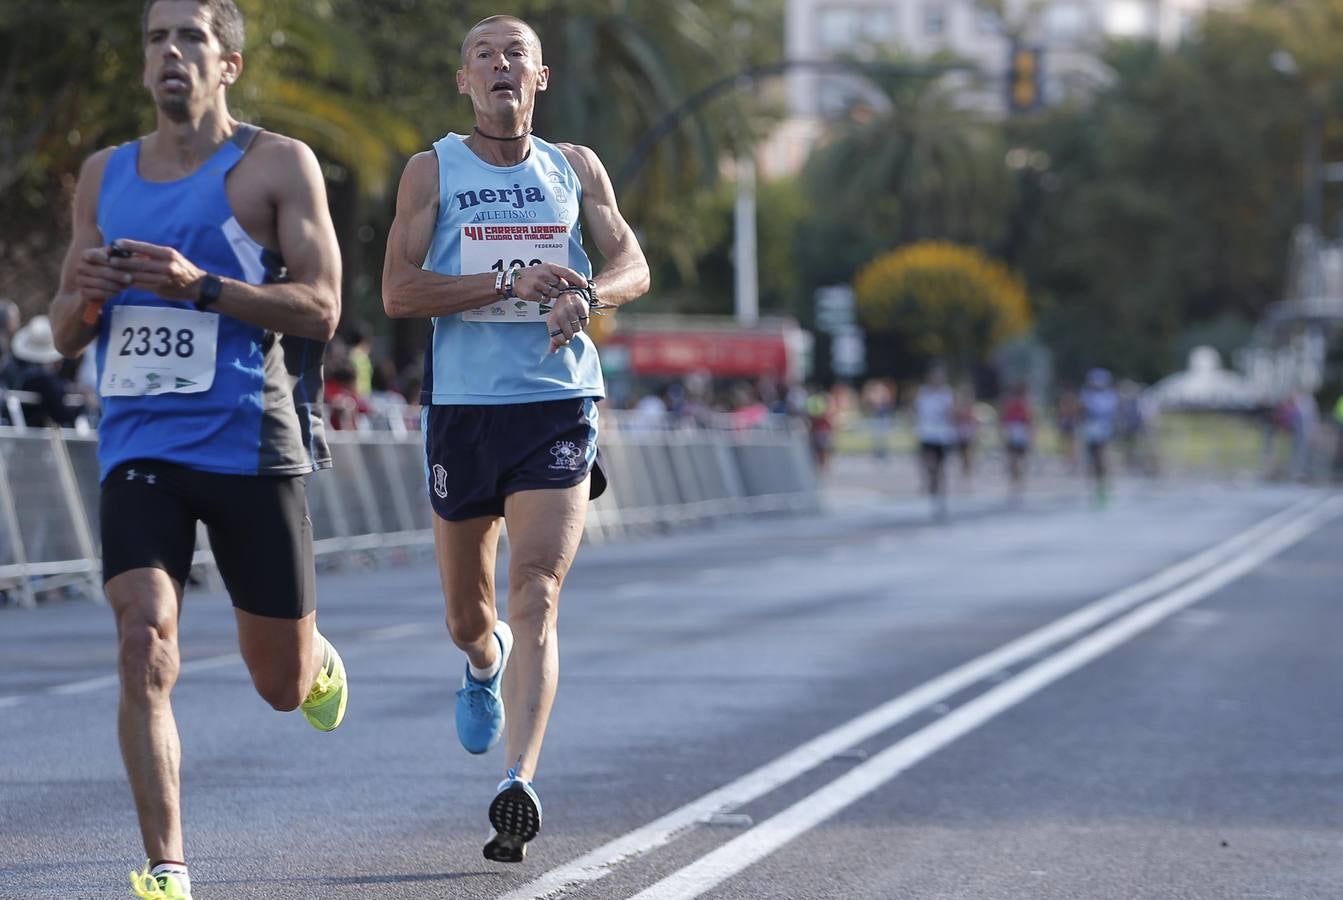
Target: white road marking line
column 600, row 862
column 740, row 853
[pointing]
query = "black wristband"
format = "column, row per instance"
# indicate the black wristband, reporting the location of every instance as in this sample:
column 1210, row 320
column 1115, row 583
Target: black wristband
column 209, row 292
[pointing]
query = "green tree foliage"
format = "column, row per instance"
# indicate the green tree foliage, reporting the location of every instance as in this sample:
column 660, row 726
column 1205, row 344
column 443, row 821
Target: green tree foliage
column 1166, row 203
column 934, row 300
column 367, row 84
column 924, row 167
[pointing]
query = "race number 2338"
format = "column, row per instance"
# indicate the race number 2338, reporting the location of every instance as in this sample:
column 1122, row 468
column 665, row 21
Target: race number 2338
column 159, row 350
column 494, row 248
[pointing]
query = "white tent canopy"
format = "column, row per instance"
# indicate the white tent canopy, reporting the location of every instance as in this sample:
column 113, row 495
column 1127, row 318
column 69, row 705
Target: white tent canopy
column 1206, row 385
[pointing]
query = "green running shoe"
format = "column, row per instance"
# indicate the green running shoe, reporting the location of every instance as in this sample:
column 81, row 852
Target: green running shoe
column 325, row 706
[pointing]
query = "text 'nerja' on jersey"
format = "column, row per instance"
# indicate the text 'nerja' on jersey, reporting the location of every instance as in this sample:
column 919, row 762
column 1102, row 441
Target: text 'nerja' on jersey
column 489, row 219
column 200, row 389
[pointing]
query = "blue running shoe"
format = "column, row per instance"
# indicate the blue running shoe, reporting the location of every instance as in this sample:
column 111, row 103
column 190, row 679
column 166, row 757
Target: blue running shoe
column 515, row 814
column 480, row 708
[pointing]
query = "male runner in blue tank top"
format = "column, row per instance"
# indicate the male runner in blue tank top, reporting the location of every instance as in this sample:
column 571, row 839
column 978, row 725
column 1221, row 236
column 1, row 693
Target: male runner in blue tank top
column 204, row 264
column 487, row 242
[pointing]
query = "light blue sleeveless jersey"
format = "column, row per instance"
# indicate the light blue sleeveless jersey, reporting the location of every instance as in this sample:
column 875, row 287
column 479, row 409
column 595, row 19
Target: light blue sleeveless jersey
column 482, row 363
column 262, row 413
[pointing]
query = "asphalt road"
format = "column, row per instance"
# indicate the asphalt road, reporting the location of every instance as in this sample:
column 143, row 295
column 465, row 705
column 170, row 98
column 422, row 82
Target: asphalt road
column 1047, row 700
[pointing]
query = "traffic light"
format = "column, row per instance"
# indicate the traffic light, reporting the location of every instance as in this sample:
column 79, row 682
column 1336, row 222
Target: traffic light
column 1024, row 79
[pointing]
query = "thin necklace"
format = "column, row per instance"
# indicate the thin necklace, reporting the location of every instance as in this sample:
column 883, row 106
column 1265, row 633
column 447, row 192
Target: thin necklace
column 519, row 137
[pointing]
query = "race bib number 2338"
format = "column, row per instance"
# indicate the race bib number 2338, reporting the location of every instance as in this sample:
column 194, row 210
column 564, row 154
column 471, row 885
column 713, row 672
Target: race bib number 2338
column 159, row 350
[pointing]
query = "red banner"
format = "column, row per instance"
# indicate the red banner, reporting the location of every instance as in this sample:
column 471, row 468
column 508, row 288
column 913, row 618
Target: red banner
column 722, row 354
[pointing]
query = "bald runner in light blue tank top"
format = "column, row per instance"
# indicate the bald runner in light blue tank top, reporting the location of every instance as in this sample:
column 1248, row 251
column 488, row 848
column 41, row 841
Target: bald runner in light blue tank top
column 491, row 218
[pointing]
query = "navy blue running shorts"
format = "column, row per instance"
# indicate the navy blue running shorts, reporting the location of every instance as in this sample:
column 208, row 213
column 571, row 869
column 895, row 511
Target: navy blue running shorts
column 258, row 525
column 475, row 456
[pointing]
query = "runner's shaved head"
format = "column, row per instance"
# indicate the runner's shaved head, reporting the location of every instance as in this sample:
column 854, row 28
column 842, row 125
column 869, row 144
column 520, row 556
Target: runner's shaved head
column 528, row 30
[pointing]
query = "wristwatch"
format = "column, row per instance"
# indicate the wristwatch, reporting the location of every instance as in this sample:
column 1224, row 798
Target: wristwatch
column 210, row 287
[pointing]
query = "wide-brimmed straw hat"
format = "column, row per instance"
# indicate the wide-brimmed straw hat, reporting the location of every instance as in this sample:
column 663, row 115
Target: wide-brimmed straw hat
column 33, row 342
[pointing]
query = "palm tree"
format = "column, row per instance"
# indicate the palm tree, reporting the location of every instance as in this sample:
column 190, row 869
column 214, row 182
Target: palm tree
column 922, row 167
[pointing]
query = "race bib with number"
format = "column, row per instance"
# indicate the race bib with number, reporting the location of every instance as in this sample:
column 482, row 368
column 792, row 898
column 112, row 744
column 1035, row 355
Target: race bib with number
column 159, row 350
column 494, row 248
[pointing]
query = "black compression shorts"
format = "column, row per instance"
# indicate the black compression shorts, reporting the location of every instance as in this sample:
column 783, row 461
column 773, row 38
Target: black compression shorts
column 258, row 526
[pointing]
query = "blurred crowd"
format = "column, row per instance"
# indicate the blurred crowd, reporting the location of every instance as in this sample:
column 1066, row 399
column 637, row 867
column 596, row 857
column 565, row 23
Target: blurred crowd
column 1081, row 426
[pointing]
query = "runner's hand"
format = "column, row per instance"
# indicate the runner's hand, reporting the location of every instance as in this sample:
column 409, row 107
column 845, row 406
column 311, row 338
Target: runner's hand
column 98, row 279
column 160, row 270
column 543, row 282
column 568, row 317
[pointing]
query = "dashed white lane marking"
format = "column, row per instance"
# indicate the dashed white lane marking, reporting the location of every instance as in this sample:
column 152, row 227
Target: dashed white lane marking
column 762, row 840
column 601, row 861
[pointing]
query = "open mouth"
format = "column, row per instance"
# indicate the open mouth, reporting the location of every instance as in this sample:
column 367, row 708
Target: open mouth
column 501, row 86
column 174, row 81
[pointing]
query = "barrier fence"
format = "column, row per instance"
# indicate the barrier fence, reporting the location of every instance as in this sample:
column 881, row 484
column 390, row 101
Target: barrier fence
column 374, row 498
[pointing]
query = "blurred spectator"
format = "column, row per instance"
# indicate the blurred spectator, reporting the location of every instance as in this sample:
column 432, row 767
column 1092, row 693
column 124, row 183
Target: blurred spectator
column 1099, row 406
column 935, row 428
column 1067, row 415
column 1338, row 438
column 1304, row 419
column 967, row 429
column 1017, row 422
column 34, row 368
column 820, row 426
column 387, row 407
column 359, row 340
column 649, row 413
column 879, row 403
column 345, row 407
column 1134, row 428
column 10, row 317
column 748, row 410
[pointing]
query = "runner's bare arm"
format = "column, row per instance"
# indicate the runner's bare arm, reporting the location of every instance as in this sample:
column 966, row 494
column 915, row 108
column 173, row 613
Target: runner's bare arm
column 86, row 278
column 624, row 277
column 408, row 289
column 305, row 305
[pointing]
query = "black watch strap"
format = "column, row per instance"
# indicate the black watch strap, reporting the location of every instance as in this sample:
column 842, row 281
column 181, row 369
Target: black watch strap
column 209, row 293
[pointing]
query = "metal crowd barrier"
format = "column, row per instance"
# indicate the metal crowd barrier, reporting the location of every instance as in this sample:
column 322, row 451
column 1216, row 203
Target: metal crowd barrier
column 374, row 499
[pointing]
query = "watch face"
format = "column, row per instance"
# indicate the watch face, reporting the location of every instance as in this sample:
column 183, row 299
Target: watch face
column 210, row 286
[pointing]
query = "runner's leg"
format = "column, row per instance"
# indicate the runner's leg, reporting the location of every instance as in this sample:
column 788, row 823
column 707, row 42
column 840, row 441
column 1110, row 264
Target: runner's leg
column 282, row 655
column 466, row 554
column 146, row 603
column 262, row 541
column 544, row 531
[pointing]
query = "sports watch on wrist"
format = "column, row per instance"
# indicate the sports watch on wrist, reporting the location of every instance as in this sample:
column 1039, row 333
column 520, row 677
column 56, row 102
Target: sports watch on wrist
column 209, row 293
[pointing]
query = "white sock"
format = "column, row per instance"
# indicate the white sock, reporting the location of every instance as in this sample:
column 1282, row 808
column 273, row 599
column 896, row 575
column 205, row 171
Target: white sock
column 484, row 675
column 176, row 870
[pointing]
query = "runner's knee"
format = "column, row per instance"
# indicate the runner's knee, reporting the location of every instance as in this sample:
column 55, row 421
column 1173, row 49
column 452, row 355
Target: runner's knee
column 282, row 689
column 534, row 594
column 468, row 626
column 148, row 661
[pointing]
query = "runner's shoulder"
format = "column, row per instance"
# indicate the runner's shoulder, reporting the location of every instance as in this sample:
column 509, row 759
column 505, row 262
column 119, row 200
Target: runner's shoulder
column 420, row 177
column 583, row 159
column 280, row 153
column 94, row 164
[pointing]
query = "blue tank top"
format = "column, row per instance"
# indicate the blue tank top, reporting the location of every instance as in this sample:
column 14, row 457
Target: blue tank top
column 491, row 217
column 261, row 413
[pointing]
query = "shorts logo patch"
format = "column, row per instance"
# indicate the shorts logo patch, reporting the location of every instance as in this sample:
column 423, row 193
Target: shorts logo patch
column 440, row 481
column 567, row 456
